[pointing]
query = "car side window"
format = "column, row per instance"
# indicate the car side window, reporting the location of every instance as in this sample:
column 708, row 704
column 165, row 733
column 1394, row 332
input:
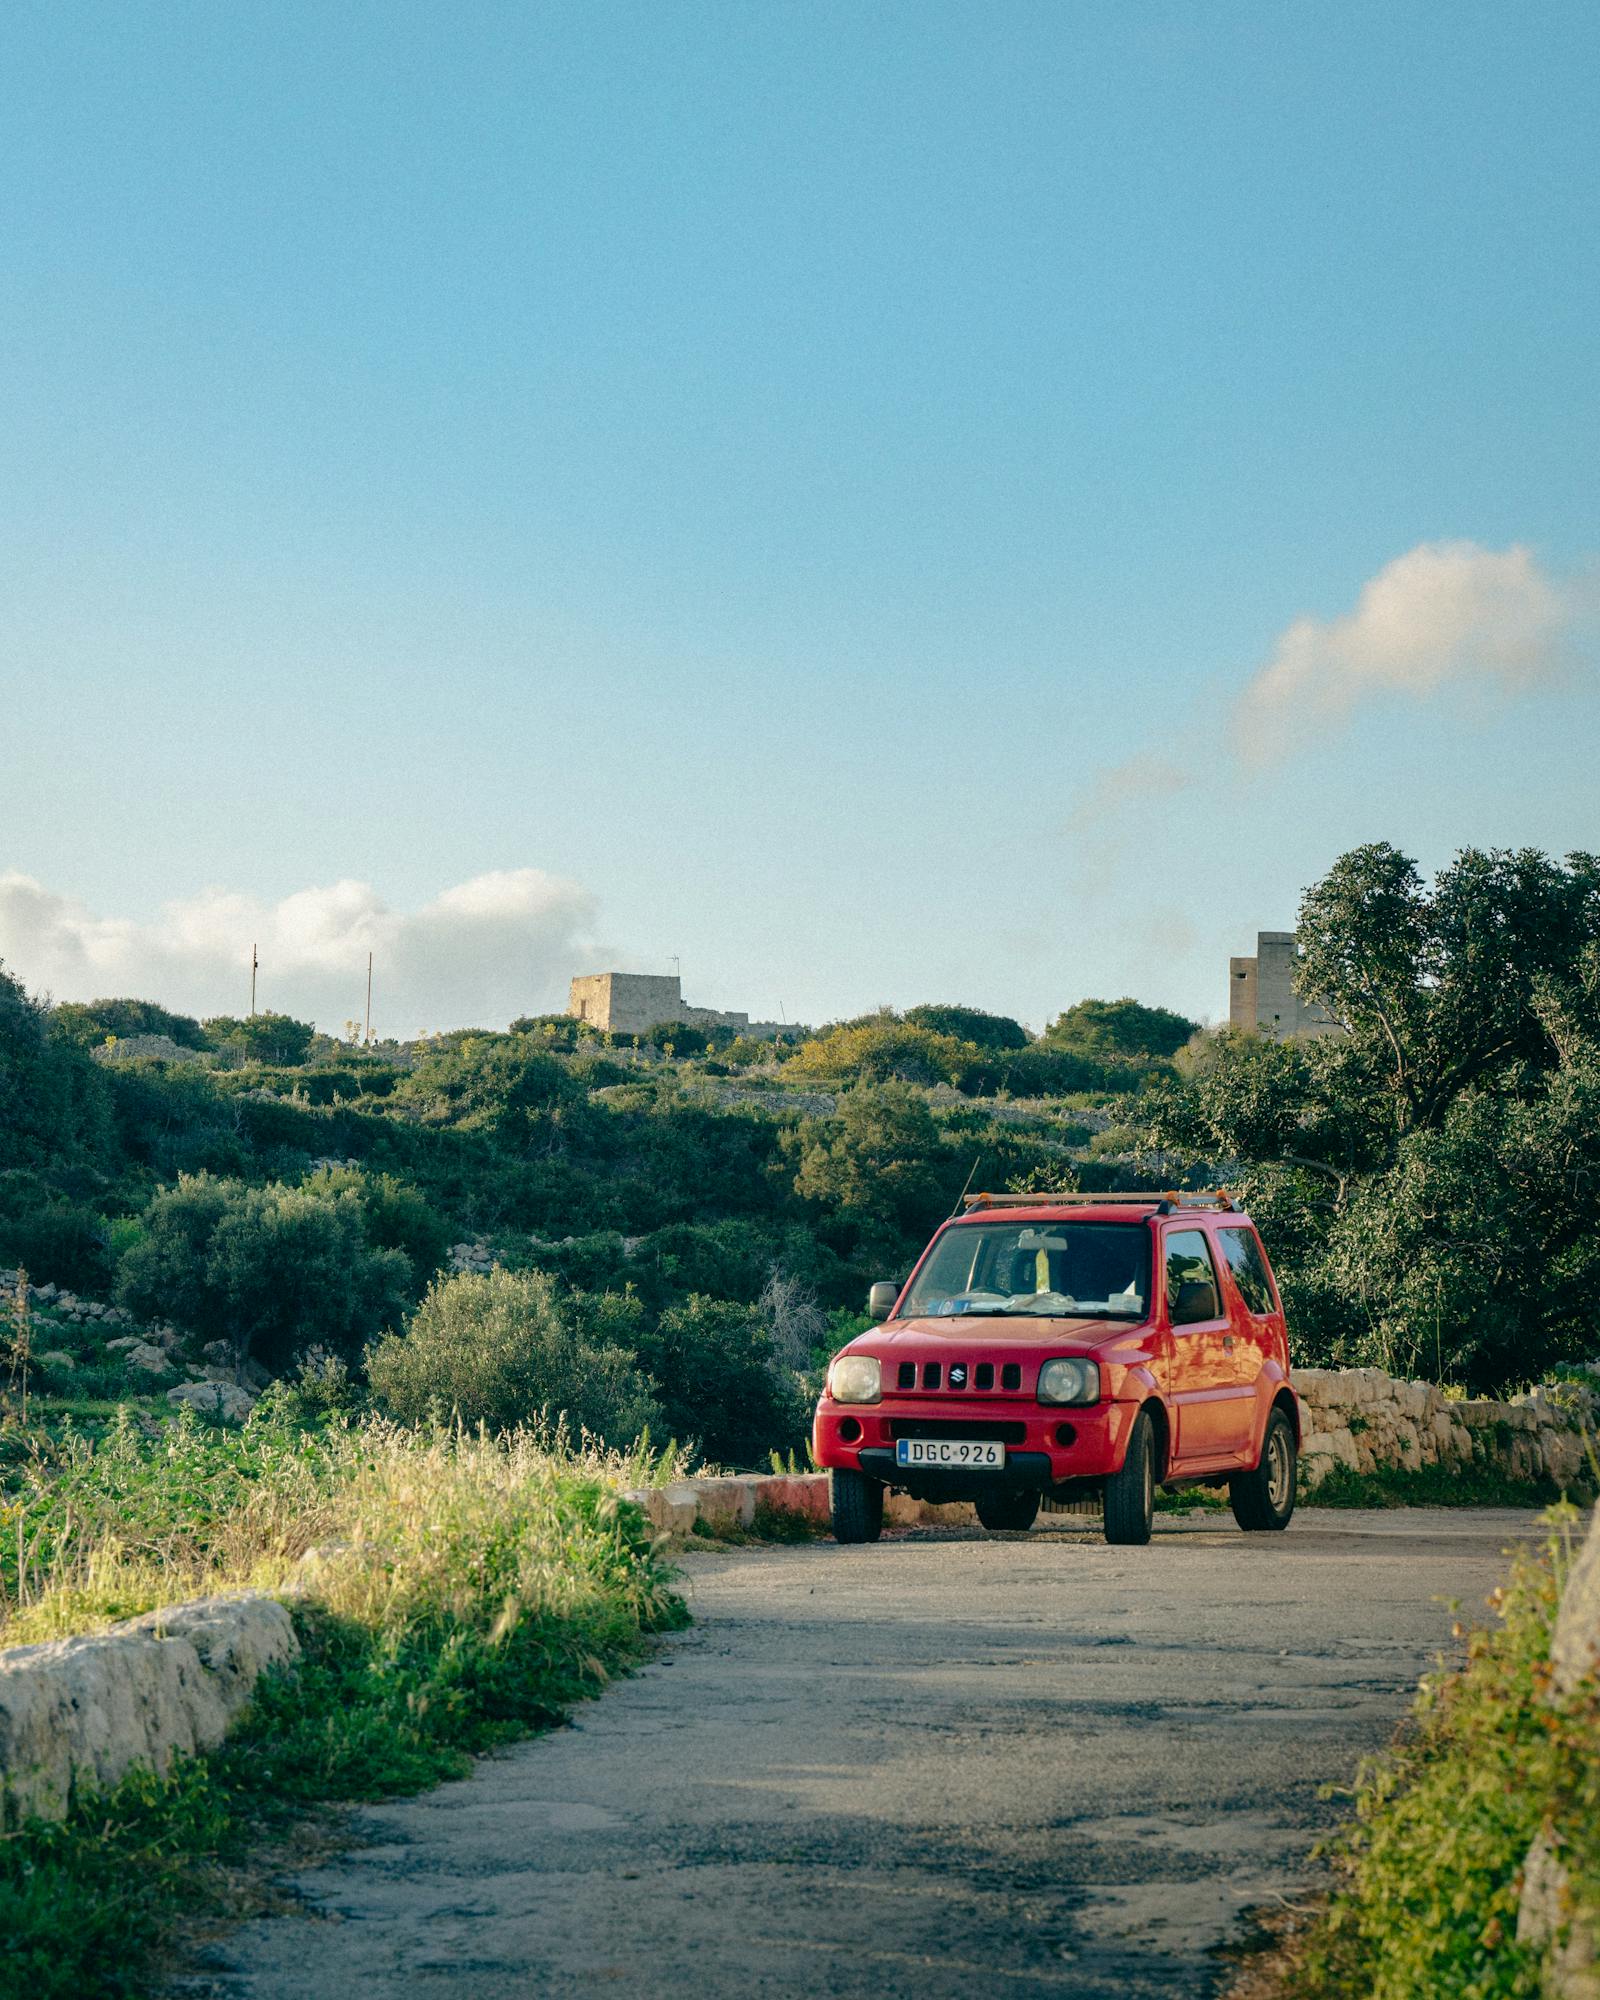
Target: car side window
column 1249, row 1268
column 1191, row 1279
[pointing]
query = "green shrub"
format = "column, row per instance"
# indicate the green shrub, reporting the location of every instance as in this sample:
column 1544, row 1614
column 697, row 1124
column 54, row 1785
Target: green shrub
column 54, row 1101
column 720, row 1383
column 1121, row 1028
column 264, row 1038
column 505, row 1347
column 1429, row 1868
column 273, row 1270
column 58, row 1242
column 970, row 1024
column 90, row 1023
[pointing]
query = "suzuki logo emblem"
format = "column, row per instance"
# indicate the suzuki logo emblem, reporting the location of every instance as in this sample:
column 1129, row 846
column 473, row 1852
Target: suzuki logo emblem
column 958, row 1375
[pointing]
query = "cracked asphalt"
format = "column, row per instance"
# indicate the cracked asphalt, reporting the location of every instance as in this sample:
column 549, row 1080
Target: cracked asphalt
column 947, row 1765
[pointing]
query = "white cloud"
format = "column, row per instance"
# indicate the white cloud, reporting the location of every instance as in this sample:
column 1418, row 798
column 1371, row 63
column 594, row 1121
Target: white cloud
column 1444, row 617
column 479, row 954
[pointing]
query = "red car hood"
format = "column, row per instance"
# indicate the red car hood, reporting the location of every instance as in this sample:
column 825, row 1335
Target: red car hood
column 973, row 1330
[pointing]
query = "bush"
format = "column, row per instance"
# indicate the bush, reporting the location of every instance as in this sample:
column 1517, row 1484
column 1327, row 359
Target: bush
column 1122, row 1028
column 970, row 1024
column 90, row 1024
column 1426, row 1901
column 266, row 1038
column 57, row 1242
column 503, row 1348
column 271, row 1270
column 720, row 1382
column 54, row 1101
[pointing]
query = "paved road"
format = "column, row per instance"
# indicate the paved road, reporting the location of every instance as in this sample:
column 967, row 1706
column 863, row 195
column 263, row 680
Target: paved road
column 945, row 1766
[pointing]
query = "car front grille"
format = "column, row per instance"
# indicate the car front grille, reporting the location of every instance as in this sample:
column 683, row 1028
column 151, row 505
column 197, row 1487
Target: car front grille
column 964, row 1377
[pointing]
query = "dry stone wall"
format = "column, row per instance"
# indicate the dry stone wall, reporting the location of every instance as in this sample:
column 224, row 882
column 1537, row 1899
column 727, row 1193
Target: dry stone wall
column 1367, row 1421
column 78, row 1714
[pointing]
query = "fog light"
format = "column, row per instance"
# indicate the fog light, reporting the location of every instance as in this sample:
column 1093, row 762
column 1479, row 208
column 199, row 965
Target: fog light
column 850, row 1430
column 1065, row 1434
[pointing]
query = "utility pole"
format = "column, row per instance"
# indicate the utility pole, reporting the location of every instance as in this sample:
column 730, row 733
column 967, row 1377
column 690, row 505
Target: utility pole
column 366, row 1035
column 254, row 962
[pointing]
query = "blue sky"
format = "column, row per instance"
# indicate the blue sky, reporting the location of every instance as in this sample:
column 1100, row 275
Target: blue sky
column 821, row 484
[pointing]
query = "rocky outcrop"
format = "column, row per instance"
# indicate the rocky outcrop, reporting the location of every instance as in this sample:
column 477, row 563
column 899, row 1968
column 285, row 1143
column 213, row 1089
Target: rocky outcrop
column 1547, row 1918
column 1366, row 1420
column 214, row 1399
column 76, row 1715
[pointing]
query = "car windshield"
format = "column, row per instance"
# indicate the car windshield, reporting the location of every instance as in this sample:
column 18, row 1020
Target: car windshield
column 1099, row 1269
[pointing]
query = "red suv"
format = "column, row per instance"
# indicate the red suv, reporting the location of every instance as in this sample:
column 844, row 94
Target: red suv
column 1068, row 1345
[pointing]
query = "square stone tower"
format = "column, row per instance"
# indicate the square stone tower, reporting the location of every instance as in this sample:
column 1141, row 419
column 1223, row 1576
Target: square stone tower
column 1262, row 997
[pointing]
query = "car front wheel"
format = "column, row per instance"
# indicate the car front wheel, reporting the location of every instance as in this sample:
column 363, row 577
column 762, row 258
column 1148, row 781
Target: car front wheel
column 1264, row 1499
column 856, row 1503
column 1131, row 1492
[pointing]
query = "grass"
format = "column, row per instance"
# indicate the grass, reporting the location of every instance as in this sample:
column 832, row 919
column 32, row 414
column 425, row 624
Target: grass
column 1428, row 1869
column 458, row 1591
column 1429, row 1486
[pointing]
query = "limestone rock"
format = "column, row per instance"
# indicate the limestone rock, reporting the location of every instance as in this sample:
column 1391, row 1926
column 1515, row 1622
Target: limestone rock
column 222, row 1399
column 78, row 1714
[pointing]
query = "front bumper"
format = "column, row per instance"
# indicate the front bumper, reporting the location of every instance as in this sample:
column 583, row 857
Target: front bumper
column 1045, row 1446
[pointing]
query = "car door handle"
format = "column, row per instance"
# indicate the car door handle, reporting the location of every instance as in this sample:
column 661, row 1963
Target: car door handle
column 1227, row 1342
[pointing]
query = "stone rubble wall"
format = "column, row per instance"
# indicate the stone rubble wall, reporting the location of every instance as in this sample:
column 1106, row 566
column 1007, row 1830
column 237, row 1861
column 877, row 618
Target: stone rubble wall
column 732, row 1503
column 1365, row 1420
column 78, row 1714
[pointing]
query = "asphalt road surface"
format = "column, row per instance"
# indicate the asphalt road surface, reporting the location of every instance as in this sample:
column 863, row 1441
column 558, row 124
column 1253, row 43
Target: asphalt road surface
column 948, row 1765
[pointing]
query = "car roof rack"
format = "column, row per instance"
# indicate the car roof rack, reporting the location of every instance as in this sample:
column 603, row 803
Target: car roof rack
column 1161, row 1203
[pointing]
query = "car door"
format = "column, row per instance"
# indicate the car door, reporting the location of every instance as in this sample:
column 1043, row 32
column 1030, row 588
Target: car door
column 1253, row 1308
column 1210, row 1403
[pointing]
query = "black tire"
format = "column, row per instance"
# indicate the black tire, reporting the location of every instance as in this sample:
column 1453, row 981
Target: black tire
column 1263, row 1500
column 856, row 1503
column 1013, row 1510
column 1131, row 1493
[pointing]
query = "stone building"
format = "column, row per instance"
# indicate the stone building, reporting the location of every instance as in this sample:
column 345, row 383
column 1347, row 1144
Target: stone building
column 628, row 1003
column 1262, row 996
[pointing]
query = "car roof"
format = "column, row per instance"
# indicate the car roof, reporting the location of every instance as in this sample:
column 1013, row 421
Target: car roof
column 1098, row 1207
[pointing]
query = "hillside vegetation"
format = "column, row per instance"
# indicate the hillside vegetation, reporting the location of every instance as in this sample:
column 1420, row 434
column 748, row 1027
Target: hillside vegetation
column 668, row 1233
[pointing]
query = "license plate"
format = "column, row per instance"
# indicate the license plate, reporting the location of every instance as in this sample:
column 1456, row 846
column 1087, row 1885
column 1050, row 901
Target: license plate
column 966, row 1452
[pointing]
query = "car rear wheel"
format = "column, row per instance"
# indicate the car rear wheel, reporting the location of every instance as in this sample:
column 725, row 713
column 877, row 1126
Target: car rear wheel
column 1008, row 1510
column 856, row 1503
column 1131, row 1492
column 1264, row 1499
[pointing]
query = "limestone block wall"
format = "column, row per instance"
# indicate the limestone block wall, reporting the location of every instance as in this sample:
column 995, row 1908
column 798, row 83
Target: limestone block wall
column 1365, row 1420
column 78, row 1714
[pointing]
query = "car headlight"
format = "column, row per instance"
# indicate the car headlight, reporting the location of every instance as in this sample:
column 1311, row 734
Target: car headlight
column 1069, row 1382
column 856, row 1378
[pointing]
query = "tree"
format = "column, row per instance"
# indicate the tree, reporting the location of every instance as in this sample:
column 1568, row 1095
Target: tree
column 1438, row 987
column 1429, row 1182
column 89, row 1024
column 720, row 1382
column 880, row 1164
column 272, row 1270
column 970, row 1024
column 54, row 1102
column 503, row 1085
column 1121, row 1028
column 262, row 1038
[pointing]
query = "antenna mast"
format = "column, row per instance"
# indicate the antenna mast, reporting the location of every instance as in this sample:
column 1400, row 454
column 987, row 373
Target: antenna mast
column 254, row 962
column 366, row 1035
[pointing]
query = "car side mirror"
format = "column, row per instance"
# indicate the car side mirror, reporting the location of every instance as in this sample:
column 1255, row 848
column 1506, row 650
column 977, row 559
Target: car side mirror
column 880, row 1300
column 1197, row 1299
